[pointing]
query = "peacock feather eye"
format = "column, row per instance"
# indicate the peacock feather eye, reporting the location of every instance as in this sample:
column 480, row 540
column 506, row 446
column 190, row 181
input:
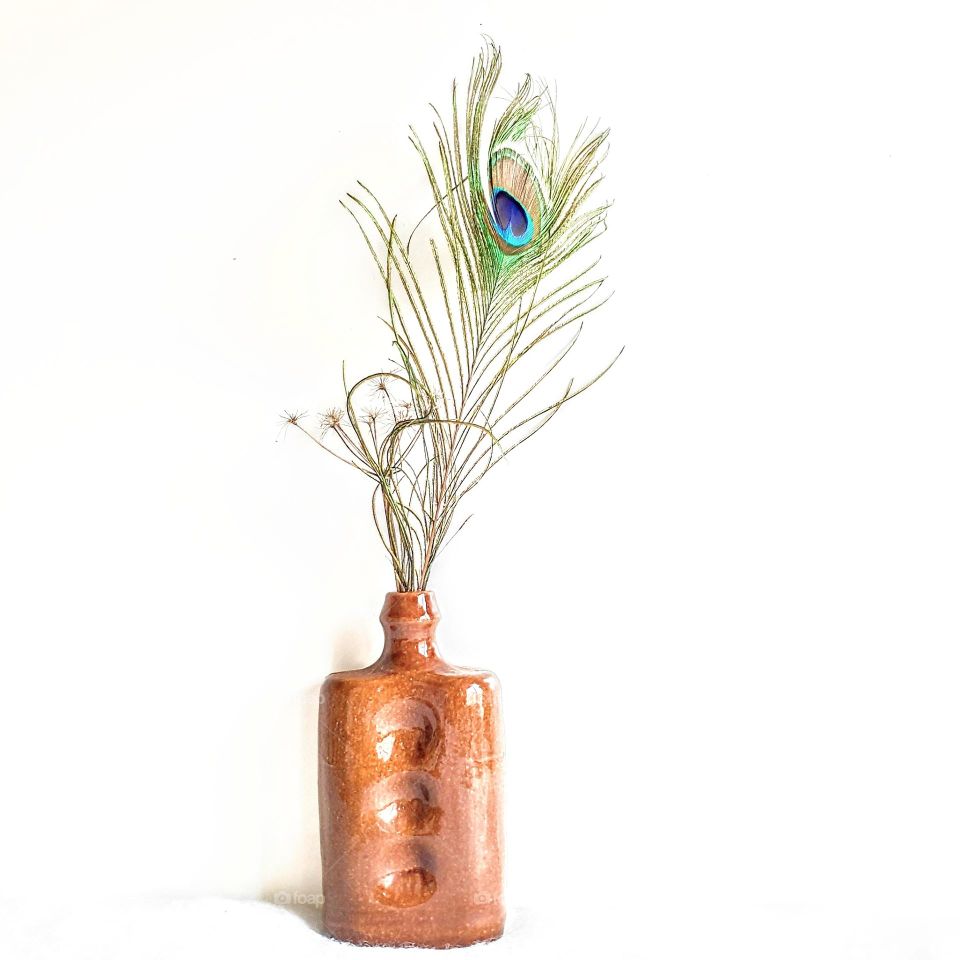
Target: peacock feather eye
column 517, row 204
column 513, row 222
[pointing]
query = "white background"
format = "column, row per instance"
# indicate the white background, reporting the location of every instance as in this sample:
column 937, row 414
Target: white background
column 721, row 589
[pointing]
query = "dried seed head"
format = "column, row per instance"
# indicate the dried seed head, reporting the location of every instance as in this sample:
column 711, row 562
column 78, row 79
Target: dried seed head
column 332, row 418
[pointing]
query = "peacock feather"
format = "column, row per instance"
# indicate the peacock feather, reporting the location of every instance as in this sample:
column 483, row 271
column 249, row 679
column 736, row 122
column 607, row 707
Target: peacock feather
column 470, row 307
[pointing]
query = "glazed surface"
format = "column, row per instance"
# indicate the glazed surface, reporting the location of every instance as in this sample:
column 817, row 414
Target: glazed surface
column 410, row 792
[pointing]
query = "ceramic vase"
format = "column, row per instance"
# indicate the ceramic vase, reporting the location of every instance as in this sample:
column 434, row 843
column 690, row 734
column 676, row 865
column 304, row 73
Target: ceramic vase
column 410, row 754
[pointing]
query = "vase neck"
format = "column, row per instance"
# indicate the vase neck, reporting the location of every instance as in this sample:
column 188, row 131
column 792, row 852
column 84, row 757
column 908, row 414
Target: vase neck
column 409, row 629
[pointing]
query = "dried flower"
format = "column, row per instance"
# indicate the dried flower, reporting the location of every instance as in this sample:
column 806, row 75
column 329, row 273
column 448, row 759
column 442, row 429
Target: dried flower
column 331, row 418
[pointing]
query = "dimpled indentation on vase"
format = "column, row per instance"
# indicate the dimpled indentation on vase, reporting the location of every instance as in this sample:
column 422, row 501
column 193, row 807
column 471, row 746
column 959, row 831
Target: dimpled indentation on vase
column 408, row 733
column 411, row 818
column 406, row 888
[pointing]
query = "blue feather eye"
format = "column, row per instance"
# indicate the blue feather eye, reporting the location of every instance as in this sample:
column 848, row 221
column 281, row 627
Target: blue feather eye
column 513, row 222
column 516, row 204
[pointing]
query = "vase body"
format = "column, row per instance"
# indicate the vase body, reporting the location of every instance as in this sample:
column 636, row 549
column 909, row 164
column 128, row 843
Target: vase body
column 410, row 755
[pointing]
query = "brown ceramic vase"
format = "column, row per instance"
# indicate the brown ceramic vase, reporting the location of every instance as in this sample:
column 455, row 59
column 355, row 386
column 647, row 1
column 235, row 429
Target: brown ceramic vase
column 410, row 792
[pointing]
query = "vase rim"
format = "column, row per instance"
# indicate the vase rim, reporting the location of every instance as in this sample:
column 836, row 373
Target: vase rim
column 410, row 606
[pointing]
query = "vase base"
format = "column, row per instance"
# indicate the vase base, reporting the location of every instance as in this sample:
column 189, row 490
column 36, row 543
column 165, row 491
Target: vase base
column 385, row 938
